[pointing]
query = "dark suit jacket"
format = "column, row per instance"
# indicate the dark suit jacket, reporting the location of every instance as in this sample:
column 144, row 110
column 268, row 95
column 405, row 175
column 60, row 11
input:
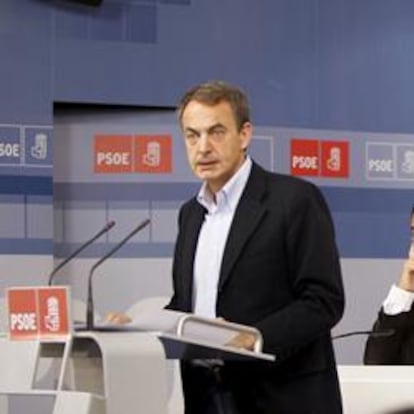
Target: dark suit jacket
column 396, row 348
column 280, row 273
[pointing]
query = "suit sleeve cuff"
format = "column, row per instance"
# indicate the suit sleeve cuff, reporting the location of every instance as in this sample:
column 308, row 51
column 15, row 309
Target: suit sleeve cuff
column 398, row 301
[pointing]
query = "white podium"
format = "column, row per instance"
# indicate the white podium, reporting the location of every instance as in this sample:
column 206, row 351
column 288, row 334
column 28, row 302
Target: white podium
column 376, row 389
column 90, row 373
column 113, row 369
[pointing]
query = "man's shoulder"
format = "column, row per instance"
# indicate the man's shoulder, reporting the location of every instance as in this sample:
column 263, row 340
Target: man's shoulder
column 281, row 179
column 190, row 204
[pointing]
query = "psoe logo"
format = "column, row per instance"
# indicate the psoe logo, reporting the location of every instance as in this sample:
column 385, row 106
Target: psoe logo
column 22, row 313
column 40, row 312
column 113, row 154
column 312, row 157
column 23, row 321
column 153, row 153
column 407, row 166
column 378, row 165
column 39, row 148
column 335, row 159
column 304, row 157
column 52, row 317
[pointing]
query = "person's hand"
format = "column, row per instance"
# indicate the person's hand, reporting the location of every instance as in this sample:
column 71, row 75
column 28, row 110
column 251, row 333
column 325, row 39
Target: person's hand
column 117, row 318
column 243, row 340
column 406, row 281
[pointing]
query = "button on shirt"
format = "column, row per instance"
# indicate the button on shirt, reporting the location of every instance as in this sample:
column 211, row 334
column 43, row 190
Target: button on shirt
column 212, row 239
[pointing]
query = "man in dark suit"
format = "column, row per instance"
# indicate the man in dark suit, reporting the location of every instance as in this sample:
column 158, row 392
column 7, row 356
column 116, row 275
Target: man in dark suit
column 256, row 248
column 396, row 317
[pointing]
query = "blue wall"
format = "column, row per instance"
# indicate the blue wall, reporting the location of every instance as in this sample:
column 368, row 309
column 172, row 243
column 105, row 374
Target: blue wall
column 322, row 64
column 336, row 64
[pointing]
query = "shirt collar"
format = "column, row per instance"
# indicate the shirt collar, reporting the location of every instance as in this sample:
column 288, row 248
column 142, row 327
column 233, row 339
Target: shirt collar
column 230, row 193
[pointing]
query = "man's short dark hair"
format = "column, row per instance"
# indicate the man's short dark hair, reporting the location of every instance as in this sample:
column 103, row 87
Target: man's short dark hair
column 215, row 92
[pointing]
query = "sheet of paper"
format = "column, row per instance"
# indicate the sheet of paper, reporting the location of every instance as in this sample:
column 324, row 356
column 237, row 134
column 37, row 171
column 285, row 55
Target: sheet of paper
column 217, row 332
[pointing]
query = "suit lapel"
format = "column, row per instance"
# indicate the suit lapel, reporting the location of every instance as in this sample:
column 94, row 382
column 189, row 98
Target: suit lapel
column 192, row 230
column 248, row 215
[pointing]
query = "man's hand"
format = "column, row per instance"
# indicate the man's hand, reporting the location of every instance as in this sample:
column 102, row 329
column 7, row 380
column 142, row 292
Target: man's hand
column 406, row 281
column 243, row 340
column 117, row 318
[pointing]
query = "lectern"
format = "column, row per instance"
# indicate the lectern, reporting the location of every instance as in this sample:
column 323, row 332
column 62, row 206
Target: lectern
column 376, row 389
column 114, row 369
column 90, row 373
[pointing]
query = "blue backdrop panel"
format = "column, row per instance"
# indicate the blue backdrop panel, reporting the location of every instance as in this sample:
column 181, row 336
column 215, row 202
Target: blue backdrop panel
column 370, row 209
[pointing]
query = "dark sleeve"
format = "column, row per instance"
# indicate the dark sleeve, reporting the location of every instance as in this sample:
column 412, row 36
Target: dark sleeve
column 314, row 272
column 384, row 349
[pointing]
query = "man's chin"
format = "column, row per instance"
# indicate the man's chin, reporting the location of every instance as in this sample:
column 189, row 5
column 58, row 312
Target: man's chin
column 205, row 174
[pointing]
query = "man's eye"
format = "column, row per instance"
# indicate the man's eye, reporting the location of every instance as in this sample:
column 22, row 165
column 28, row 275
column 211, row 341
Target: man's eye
column 191, row 137
column 218, row 133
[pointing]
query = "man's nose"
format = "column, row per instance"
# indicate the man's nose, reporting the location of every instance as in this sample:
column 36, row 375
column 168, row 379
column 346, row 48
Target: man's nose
column 204, row 143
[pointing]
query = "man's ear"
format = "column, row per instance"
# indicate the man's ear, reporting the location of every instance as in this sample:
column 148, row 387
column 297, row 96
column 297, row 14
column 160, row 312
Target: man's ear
column 246, row 134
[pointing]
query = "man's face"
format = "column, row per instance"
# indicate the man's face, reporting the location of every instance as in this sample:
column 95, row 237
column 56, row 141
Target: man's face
column 215, row 146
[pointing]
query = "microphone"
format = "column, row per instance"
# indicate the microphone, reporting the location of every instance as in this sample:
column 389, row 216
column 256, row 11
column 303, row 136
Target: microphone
column 108, row 226
column 373, row 334
column 90, row 306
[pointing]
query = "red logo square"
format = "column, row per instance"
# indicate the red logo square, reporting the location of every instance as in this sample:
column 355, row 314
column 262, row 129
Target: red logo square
column 53, row 312
column 304, row 157
column 335, row 159
column 112, row 153
column 22, row 307
column 153, row 153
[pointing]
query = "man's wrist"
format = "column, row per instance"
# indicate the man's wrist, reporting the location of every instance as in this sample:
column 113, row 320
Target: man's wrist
column 398, row 300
